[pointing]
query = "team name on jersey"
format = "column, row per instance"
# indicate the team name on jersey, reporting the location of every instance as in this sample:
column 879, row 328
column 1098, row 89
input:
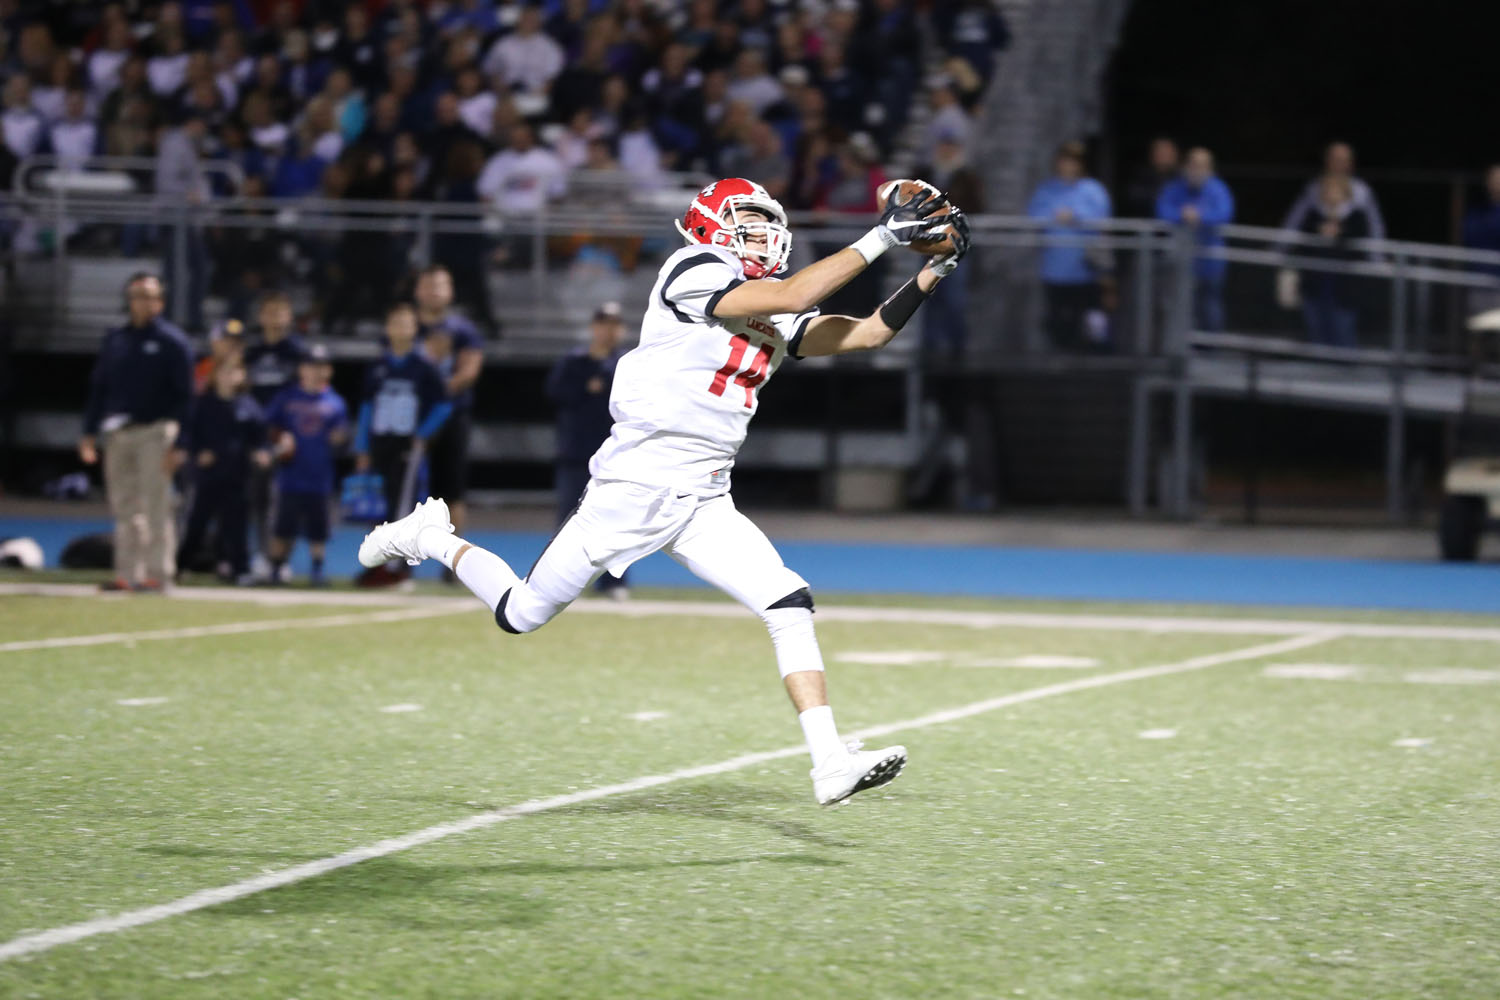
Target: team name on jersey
column 682, row 399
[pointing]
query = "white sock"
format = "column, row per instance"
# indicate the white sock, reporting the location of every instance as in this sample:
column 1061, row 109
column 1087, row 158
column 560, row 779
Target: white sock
column 436, row 543
column 822, row 735
column 483, row 572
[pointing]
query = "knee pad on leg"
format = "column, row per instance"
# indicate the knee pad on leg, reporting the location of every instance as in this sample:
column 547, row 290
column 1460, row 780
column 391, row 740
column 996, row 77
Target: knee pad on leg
column 521, row 610
column 500, row 615
column 796, row 599
column 793, row 637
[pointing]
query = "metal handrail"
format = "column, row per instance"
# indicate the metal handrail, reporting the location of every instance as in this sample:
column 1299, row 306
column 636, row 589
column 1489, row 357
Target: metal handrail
column 1436, row 251
column 1159, row 302
column 1282, row 347
column 98, row 164
column 1387, row 259
column 1381, row 258
column 1237, row 231
column 618, row 217
column 1362, row 268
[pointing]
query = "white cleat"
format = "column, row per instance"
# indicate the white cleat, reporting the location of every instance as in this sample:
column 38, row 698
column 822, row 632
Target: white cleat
column 398, row 539
column 856, row 771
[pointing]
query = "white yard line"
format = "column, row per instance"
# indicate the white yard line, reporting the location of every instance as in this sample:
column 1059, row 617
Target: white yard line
column 1064, row 620
column 44, row 940
column 233, row 628
column 1102, row 680
column 269, row 596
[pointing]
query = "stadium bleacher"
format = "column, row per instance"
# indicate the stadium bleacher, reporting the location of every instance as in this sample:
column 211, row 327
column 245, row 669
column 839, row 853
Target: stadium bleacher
column 478, row 102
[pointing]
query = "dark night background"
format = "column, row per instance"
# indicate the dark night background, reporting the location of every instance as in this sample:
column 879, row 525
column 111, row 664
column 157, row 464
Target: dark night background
column 1412, row 85
column 1266, row 84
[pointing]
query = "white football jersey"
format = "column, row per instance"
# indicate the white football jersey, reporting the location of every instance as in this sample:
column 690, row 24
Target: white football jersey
column 683, row 398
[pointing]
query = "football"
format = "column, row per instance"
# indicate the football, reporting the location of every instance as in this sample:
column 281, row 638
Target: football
column 939, row 242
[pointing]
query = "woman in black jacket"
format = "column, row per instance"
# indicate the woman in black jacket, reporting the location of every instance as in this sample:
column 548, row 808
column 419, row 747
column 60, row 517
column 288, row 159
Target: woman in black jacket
column 1328, row 297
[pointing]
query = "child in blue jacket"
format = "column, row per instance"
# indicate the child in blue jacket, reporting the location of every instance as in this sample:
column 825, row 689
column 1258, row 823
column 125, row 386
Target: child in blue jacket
column 309, row 423
column 405, row 404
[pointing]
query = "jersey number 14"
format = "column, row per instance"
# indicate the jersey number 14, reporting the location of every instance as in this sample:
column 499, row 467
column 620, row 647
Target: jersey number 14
column 752, row 376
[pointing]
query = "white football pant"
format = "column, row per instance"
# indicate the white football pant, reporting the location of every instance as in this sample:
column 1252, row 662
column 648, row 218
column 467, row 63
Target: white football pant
column 617, row 523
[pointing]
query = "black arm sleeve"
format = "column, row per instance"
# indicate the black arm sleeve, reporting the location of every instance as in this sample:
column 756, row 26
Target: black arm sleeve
column 896, row 310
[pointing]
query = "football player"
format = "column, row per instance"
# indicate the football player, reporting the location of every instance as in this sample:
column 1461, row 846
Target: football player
column 719, row 323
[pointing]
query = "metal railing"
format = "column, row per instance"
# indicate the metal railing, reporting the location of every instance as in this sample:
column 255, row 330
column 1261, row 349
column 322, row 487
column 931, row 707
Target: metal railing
column 59, row 176
column 1150, row 256
column 1412, row 300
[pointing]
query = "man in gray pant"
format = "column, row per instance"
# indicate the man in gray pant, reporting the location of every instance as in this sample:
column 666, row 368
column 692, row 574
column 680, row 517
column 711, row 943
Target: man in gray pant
column 138, row 400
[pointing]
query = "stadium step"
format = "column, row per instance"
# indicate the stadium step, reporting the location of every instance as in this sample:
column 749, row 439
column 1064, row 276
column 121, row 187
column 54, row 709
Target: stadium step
column 1046, row 90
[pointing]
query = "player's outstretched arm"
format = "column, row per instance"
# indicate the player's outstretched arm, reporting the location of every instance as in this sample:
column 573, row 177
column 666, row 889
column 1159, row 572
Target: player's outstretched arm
column 798, row 293
column 899, row 224
column 827, row 335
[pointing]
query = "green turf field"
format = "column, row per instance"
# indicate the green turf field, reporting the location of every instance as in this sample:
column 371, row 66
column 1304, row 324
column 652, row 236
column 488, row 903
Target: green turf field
column 1288, row 815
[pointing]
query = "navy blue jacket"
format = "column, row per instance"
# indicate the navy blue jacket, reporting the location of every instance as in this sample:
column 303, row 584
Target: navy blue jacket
column 1482, row 231
column 314, row 420
column 230, row 428
column 272, row 367
column 465, row 335
column 583, row 419
column 404, row 397
column 144, row 374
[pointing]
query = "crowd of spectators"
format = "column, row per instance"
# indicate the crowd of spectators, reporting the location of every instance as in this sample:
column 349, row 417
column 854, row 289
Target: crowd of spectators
column 513, row 103
column 495, row 101
column 1083, row 283
column 254, row 433
column 507, row 103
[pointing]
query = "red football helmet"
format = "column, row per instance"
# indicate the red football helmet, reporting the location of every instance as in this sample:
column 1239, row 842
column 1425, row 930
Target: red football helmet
column 714, row 218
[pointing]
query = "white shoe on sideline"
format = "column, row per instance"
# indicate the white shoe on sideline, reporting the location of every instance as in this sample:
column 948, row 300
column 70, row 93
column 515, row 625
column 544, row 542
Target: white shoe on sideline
column 856, row 771
column 398, row 539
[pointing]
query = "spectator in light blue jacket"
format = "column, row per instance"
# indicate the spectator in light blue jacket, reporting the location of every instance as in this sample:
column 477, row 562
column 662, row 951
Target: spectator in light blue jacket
column 1070, row 274
column 348, row 103
column 1202, row 202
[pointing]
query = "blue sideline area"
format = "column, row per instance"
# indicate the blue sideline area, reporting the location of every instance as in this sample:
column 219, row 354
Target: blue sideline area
column 1005, row 572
